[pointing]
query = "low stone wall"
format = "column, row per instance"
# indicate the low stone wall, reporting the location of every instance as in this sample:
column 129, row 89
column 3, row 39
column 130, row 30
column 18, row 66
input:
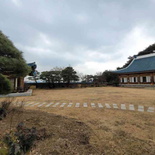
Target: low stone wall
column 28, row 93
column 137, row 85
column 61, row 85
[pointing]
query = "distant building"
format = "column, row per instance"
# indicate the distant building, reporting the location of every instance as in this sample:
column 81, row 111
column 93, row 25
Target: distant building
column 140, row 72
column 18, row 82
column 33, row 67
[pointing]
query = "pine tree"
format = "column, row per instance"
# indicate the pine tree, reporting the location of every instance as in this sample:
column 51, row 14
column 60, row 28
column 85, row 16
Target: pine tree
column 11, row 60
column 69, row 74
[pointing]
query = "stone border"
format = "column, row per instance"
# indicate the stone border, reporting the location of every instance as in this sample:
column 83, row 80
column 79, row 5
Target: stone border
column 137, row 85
column 28, row 93
column 123, row 107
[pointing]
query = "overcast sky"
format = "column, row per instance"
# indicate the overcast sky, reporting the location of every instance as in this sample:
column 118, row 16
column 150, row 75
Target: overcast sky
column 89, row 35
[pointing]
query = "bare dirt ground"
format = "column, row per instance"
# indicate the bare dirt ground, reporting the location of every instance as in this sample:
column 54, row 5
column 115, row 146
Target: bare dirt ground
column 105, row 131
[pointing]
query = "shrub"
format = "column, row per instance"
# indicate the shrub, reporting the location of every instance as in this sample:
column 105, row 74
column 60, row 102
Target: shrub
column 23, row 139
column 5, row 85
column 4, row 108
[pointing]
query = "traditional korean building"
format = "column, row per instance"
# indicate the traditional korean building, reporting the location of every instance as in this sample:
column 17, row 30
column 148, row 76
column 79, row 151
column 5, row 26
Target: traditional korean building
column 18, row 82
column 140, row 72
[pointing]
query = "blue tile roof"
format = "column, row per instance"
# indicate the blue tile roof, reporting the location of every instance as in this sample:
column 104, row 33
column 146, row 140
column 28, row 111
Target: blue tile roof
column 32, row 64
column 140, row 64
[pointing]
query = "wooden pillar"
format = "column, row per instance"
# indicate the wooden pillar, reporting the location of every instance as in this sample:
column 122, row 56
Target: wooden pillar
column 15, row 83
column 128, row 79
column 152, row 79
column 22, row 82
column 120, row 79
column 138, row 77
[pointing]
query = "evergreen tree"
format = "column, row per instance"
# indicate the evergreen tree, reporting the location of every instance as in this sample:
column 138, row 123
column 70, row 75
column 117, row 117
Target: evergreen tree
column 69, row 74
column 5, row 85
column 110, row 78
column 11, row 59
column 51, row 77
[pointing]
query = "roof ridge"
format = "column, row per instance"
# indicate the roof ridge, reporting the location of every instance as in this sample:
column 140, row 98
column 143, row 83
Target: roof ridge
column 145, row 56
column 140, row 64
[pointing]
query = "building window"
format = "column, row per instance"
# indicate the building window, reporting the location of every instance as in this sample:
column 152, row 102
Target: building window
column 133, row 79
column 136, row 79
column 125, row 80
column 145, row 79
column 148, row 78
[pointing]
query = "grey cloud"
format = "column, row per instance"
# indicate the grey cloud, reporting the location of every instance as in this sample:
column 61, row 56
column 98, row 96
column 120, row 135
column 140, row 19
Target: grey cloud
column 77, row 26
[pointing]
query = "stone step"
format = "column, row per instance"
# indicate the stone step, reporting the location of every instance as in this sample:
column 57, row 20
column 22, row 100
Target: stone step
column 40, row 105
column 48, row 105
column 30, row 103
column 56, row 104
column 123, row 107
column 100, row 105
column 70, row 104
column 107, row 105
column 62, row 105
column 131, row 107
column 115, row 106
column 35, row 104
column 141, row 108
column 77, row 105
column 93, row 105
column 150, row 109
column 85, row 105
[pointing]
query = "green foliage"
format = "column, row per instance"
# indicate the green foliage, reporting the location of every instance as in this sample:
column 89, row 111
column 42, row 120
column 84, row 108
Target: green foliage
column 45, row 76
column 56, row 75
column 98, row 79
column 87, row 78
column 51, row 76
column 3, row 151
column 69, row 74
column 5, row 85
column 148, row 50
column 11, row 59
column 110, row 78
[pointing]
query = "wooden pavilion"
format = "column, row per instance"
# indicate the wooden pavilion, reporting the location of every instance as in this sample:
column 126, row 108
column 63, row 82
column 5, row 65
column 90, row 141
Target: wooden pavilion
column 18, row 82
column 140, row 72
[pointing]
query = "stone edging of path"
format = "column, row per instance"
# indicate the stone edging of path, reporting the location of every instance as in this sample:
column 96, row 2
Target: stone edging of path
column 28, row 93
column 130, row 107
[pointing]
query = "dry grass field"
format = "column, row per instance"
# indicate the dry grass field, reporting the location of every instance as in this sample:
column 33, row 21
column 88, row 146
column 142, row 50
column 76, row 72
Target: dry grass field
column 111, row 95
column 103, row 131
